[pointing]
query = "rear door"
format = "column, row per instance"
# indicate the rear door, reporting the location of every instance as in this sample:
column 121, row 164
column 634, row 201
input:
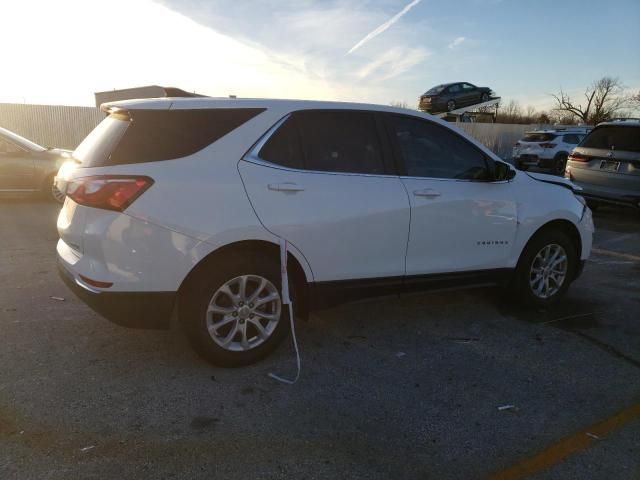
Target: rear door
column 470, row 94
column 460, row 220
column 16, row 167
column 320, row 180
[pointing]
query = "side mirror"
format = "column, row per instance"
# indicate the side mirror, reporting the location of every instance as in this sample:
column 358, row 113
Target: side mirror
column 503, row 172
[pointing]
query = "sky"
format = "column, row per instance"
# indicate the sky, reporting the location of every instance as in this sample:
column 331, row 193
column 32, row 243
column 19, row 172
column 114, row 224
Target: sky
column 376, row 51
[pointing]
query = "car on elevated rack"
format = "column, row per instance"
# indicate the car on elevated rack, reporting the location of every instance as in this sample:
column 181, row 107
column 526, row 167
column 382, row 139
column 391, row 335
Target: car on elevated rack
column 186, row 203
column 451, row 96
column 547, row 149
column 28, row 168
column 606, row 165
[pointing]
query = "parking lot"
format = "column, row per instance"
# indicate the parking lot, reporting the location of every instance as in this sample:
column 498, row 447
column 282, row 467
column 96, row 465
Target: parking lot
column 445, row 385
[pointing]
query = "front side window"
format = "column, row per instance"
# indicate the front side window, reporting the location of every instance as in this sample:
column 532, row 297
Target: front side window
column 571, row 139
column 468, row 87
column 433, row 151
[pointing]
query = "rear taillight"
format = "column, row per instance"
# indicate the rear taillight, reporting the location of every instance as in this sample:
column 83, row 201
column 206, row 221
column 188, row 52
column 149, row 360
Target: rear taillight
column 547, row 145
column 109, row 192
column 577, row 157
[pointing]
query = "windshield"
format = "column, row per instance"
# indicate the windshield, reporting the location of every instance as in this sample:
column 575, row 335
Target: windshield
column 21, row 141
column 622, row 138
column 436, row 90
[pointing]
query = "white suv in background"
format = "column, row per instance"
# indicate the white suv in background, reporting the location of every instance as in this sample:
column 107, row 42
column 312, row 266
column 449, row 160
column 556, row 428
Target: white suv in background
column 183, row 203
column 547, row 149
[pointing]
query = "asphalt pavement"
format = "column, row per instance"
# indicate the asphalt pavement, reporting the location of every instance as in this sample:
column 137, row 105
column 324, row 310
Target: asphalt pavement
column 444, row 385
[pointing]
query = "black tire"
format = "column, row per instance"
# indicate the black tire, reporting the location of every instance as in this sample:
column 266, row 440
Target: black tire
column 593, row 205
column 484, row 97
column 194, row 302
column 451, row 105
column 522, row 276
column 559, row 163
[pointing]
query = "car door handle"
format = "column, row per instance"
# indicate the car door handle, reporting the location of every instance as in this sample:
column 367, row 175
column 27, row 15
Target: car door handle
column 427, row 192
column 285, row 187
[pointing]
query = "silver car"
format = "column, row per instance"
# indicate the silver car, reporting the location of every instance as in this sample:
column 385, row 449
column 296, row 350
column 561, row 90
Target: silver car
column 26, row 167
column 606, row 164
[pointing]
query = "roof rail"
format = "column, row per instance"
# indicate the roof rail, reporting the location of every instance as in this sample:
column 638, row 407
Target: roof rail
column 622, row 119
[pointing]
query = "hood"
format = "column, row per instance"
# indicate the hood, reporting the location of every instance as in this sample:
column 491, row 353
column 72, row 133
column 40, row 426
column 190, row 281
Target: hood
column 561, row 181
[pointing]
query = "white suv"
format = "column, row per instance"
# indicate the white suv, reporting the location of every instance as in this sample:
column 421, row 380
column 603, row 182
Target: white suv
column 547, row 149
column 182, row 203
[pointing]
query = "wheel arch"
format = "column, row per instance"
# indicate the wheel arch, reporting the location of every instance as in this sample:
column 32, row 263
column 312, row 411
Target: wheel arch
column 301, row 278
column 563, row 225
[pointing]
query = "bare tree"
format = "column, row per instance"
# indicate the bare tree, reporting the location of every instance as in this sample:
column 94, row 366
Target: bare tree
column 604, row 99
column 397, row 104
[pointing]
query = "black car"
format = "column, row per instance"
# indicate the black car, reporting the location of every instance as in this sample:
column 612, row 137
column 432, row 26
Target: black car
column 450, row 96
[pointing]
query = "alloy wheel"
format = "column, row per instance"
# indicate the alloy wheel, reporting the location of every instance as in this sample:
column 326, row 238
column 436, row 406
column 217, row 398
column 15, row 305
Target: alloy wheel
column 548, row 271
column 243, row 313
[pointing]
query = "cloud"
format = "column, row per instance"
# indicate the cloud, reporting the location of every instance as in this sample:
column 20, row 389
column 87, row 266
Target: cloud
column 374, row 33
column 456, row 42
column 392, row 63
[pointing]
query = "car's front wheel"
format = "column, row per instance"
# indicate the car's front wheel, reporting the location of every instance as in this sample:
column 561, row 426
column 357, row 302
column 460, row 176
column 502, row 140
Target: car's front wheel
column 485, row 97
column 50, row 190
column 233, row 314
column 451, row 105
column 546, row 268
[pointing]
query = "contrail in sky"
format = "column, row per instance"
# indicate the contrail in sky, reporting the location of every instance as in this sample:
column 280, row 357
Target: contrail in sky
column 384, row 26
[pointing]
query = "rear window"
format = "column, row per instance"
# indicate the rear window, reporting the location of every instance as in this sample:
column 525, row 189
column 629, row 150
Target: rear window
column 141, row 136
column 626, row 139
column 539, row 137
column 436, row 90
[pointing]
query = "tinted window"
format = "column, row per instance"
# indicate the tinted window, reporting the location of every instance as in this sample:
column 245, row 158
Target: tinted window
column 539, row 137
column 572, row 139
column 430, row 150
column 340, row 141
column 468, row 86
column 153, row 135
column 620, row 138
column 284, row 147
column 436, row 90
column 455, row 89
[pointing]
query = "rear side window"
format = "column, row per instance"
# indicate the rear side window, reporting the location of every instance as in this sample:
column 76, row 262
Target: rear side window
column 539, row 137
column 572, row 138
column 142, row 136
column 340, row 141
column 327, row 141
column 284, row 146
column 626, row 139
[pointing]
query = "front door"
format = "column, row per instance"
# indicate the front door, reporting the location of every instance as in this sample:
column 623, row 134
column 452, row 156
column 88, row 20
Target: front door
column 321, row 182
column 16, row 167
column 460, row 220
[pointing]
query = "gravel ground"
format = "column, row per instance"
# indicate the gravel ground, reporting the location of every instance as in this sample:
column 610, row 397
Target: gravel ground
column 393, row 388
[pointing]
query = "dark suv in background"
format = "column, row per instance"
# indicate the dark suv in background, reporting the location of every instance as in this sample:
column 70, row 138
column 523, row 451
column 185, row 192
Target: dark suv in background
column 449, row 96
column 606, row 164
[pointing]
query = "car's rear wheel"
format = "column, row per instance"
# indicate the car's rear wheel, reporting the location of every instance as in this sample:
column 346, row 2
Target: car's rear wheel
column 546, row 268
column 451, row 105
column 234, row 315
column 50, row 190
column 559, row 164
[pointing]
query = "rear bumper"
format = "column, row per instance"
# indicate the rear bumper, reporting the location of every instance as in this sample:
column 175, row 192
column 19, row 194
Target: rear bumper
column 149, row 310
